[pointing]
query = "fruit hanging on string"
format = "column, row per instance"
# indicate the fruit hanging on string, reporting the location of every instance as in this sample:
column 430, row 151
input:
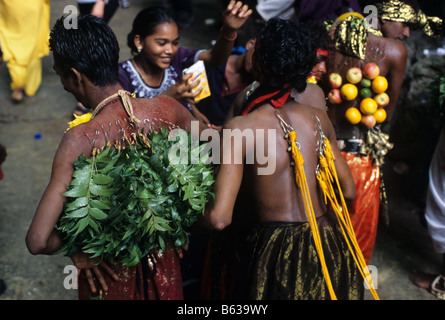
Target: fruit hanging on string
column 365, row 83
column 349, row 91
column 379, row 84
column 371, row 70
column 379, row 115
column 368, row 106
column 334, row 96
column 353, row 115
column 368, row 120
column 354, row 75
column 365, row 93
column 335, row 80
column 382, row 99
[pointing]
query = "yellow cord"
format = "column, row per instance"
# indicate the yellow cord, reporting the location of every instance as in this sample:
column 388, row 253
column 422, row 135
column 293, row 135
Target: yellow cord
column 302, row 184
column 326, row 177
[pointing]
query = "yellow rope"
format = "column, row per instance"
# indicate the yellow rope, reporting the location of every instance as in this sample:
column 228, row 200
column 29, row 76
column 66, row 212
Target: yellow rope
column 128, row 106
column 302, row 184
column 326, row 176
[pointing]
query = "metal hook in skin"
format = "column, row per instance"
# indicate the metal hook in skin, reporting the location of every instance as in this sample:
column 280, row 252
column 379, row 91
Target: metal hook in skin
column 320, row 143
column 286, row 128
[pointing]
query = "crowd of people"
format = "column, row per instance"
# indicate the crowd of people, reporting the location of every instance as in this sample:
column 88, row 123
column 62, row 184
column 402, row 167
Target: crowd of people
column 266, row 236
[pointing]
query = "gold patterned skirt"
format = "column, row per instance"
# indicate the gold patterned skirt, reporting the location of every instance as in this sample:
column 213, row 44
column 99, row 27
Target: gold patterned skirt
column 282, row 263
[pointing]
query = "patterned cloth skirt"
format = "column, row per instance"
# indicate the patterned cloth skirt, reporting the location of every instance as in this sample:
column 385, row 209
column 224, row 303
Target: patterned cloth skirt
column 281, row 262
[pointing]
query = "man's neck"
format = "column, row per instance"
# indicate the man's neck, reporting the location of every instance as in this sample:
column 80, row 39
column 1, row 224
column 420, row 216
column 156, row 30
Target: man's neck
column 99, row 94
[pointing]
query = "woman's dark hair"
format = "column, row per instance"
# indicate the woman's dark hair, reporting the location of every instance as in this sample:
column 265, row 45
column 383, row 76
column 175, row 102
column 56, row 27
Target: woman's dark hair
column 286, row 54
column 146, row 22
column 89, row 45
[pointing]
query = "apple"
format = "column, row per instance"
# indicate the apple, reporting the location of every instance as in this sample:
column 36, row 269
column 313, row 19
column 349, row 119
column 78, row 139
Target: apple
column 365, row 83
column 354, row 75
column 365, row 92
column 368, row 120
column 371, row 70
column 334, row 96
column 382, row 99
column 335, row 80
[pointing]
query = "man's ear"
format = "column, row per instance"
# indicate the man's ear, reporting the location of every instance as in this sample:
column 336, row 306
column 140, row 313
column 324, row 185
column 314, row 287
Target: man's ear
column 380, row 23
column 76, row 76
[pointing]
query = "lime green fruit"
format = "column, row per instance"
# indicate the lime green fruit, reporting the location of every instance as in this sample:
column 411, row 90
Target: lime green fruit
column 365, row 92
column 365, row 83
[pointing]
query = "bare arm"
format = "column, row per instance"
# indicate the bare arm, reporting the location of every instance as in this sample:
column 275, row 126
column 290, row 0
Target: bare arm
column 397, row 57
column 233, row 18
column 42, row 238
column 228, row 181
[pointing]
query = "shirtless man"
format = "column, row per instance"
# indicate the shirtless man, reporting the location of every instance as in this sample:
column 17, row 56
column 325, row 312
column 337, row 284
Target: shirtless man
column 273, row 201
column 89, row 70
column 384, row 47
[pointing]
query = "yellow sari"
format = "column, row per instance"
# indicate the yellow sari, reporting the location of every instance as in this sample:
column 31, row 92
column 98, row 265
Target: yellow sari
column 24, row 34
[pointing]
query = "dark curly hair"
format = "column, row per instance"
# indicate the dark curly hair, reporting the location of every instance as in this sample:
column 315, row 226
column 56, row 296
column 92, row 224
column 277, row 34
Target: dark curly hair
column 286, row 54
column 91, row 47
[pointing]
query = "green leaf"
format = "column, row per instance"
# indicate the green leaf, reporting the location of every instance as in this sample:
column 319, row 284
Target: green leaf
column 99, row 190
column 104, row 205
column 102, row 179
column 78, row 213
column 97, row 213
column 77, row 192
column 81, row 225
column 82, row 174
column 76, row 204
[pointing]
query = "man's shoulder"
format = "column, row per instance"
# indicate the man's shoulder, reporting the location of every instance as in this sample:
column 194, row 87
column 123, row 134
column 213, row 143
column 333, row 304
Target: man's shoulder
column 313, row 88
column 161, row 107
column 393, row 48
column 159, row 102
column 244, row 121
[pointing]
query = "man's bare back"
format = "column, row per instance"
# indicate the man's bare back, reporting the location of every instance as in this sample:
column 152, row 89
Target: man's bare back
column 112, row 123
column 275, row 196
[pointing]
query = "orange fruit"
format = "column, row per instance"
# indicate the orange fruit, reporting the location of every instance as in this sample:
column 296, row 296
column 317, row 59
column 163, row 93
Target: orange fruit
column 368, row 106
column 380, row 115
column 349, row 91
column 379, row 84
column 353, row 115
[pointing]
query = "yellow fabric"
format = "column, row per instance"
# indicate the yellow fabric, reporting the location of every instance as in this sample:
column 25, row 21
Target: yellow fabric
column 79, row 120
column 351, row 36
column 311, row 80
column 24, row 35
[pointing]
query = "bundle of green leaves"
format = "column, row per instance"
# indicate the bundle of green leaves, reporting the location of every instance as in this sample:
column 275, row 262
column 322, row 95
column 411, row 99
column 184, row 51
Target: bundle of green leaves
column 125, row 203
